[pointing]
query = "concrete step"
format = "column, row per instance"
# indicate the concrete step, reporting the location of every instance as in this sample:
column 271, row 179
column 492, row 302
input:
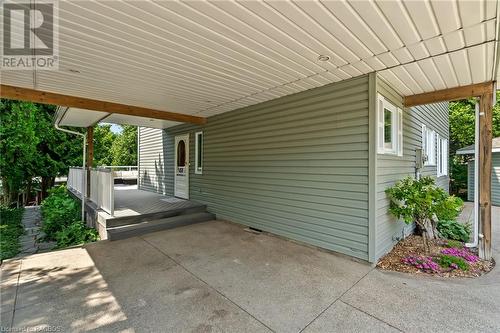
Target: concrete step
column 136, row 219
column 137, row 229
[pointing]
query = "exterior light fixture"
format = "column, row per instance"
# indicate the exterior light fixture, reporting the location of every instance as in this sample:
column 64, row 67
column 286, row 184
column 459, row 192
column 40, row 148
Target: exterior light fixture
column 323, row 58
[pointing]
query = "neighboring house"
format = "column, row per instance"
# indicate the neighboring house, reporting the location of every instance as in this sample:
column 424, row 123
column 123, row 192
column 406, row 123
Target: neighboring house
column 312, row 166
column 495, row 172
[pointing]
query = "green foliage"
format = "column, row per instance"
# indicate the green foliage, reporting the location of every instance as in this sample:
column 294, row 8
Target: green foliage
column 449, row 261
column 61, row 220
column 448, row 207
column 59, row 210
column 31, row 147
column 11, row 229
column 103, row 140
column 74, row 234
column 124, row 148
column 462, row 118
column 18, row 144
column 415, row 200
column 454, row 244
column 454, row 230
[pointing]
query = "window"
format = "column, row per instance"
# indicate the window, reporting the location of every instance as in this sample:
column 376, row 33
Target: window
column 198, row 159
column 390, row 128
column 429, row 145
column 442, row 156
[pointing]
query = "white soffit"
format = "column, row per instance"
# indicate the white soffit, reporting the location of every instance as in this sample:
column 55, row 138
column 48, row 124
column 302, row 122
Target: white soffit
column 208, row 57
column 75, row 117
column 139, row 121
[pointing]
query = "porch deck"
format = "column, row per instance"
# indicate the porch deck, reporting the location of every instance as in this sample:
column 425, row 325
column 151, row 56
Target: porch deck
column 137, row 212
column 129, row 201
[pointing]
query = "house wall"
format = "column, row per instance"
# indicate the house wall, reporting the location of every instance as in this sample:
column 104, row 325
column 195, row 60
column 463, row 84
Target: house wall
column 390, row 168
column 495, row 180
column 151, row 159
column 296, row 166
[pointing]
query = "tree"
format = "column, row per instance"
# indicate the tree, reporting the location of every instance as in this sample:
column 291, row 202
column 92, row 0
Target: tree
column 31, row 148
column 124, row 148
column 18, row 142
column 462, row 133
column 103, row 140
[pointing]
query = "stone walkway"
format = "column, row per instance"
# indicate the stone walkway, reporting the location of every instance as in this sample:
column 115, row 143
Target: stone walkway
column 31, row 241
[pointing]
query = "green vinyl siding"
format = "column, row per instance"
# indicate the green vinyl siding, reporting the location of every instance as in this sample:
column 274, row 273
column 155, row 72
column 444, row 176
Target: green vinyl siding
column 151, row 157
column 390, row 168
column 495, row 180
column 296, row 166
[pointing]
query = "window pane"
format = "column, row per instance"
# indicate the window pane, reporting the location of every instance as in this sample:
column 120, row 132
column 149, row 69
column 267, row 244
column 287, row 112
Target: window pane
column 387, row 126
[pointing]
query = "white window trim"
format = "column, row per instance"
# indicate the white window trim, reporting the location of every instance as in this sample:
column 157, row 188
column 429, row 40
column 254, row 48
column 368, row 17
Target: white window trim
column 397, row 127
column 442, row 161
column 197, row 156
column 429, row 146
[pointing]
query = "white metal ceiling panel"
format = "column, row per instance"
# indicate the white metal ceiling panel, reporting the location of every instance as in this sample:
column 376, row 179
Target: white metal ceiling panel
column 208, row 57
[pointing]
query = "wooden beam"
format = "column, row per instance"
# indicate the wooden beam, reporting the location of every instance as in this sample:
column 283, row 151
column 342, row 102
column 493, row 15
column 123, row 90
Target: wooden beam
column 452, row 94
column 484, row 159
column 43, row 97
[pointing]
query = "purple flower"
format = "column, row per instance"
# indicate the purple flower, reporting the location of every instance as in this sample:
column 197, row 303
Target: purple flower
column 425, row 264
column 461, row 253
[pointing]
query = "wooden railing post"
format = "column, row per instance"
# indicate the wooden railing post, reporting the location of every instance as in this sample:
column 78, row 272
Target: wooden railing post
column 484, row 157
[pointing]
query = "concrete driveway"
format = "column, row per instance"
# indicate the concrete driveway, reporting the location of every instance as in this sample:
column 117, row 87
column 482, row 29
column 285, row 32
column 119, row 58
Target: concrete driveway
column 215, row 277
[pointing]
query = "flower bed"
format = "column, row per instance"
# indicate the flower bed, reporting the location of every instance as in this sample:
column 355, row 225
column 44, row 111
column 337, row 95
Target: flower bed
column 446, row 258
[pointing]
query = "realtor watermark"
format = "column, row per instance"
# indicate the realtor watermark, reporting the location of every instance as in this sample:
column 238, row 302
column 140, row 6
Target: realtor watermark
column 30, row 35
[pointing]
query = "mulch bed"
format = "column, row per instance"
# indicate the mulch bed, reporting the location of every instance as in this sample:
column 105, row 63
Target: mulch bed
column 413, row 245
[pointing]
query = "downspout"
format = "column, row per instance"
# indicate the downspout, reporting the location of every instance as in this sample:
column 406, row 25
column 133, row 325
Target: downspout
column 475, row 240
column 84, row 137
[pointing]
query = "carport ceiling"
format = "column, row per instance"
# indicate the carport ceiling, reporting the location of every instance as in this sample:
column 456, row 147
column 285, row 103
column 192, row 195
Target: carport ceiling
column 204, row 58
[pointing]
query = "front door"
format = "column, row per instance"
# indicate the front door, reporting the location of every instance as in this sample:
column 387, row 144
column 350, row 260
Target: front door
column 181, row 175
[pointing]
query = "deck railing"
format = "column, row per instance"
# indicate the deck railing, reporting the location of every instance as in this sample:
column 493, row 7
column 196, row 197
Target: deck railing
column 102, row 191
column 76, row 179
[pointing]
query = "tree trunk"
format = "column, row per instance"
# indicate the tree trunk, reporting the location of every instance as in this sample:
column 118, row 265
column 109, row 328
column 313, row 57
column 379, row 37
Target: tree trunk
column 47, row 183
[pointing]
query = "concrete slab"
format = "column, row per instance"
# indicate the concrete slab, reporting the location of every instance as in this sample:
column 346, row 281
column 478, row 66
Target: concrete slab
column 216, row 277
column 129, row 286
column 341, row 317
column 284, row 284
column 423, row 304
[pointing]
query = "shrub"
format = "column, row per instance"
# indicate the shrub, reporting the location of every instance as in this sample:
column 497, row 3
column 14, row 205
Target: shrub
column 59, row 210
column 448, row 207
column 74, row 234
column 454, row 230
column 454, row 243
column 11, row 228
column 449, row 261
column 415, row 200
column 425, row 264
column 461, row 253
column 61, row 220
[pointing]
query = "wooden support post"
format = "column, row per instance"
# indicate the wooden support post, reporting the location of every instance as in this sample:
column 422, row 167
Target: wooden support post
column 90, row 155
column 484, row 156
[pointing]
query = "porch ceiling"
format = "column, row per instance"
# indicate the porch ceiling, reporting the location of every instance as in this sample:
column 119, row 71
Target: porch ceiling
column 204, row 58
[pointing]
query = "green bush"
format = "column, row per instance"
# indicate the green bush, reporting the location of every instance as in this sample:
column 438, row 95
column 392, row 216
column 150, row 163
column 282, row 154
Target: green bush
column 449, row 261
column 59, row 210
column 448, row 207
column 454, row 230
column 454, row 244
column 61, row 220
column 11, row 228
column 74, row 234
